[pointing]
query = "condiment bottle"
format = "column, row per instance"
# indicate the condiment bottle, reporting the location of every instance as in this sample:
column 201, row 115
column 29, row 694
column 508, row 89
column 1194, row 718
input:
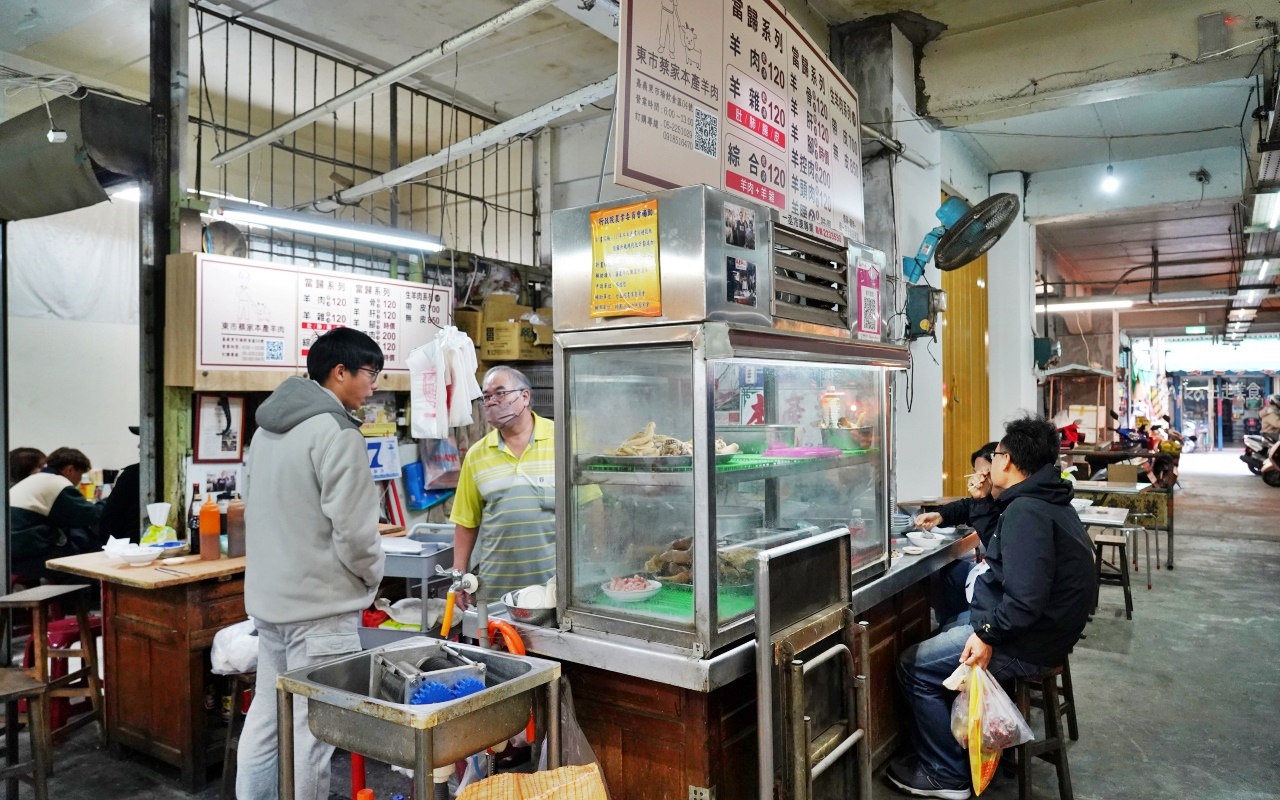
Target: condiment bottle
column 193, row 520
column 831, row 407
column 210, row 528
column 235, row 527
column 857, row 525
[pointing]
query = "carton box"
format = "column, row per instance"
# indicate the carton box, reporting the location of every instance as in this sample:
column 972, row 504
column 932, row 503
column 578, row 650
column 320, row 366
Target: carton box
column 515, row 341
column 469, row 320
column 1122, row 473
column 503, row 308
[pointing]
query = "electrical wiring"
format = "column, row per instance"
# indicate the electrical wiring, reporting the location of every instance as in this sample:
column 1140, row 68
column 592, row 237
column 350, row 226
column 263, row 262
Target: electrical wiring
column 15, row 82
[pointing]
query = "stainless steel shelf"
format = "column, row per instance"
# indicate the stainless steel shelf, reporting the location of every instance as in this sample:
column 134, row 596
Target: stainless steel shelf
column 725, row 473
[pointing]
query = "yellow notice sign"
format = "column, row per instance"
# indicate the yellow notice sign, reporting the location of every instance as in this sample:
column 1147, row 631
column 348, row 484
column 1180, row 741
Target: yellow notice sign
column 624, row 261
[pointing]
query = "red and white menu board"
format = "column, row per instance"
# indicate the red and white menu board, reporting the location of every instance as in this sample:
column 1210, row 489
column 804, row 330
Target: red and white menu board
column 733, row 94
column 258, row 315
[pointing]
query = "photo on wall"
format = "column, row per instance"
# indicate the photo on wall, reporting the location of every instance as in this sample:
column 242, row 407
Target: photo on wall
column 739, row 226
column 741, row 281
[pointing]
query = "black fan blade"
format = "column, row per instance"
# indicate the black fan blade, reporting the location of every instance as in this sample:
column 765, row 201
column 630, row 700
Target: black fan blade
column 976, row 232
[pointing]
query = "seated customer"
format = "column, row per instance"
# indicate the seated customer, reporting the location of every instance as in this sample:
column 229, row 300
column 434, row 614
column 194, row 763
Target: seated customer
column 1028, row 609
column 45, row 509
column 951, row 586
column 24, row 461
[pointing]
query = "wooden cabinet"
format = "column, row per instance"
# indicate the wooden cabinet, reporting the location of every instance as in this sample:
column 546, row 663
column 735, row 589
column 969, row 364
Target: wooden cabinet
column 654, row 741
column 156, row 650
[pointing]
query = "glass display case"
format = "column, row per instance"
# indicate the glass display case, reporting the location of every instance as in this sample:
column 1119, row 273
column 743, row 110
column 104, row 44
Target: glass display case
column 686, row 449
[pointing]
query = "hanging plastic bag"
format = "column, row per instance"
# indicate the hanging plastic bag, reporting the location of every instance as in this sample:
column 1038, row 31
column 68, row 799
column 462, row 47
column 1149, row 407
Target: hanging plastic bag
column 984, row 720
column 565, row 783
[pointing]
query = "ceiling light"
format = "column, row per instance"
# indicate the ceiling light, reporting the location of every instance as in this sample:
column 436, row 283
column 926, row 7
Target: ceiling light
column 1111, row 183
column 1084, row 305
column 324, row 227
column 129, row 192
column 1275, row 211
column 1266, row 265
column 1195, row 329
column 1244, row 312
column 1044, row 288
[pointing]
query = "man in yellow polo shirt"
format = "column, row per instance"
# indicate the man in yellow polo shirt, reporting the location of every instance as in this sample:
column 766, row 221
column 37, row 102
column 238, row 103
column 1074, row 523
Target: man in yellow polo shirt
column 506, row 498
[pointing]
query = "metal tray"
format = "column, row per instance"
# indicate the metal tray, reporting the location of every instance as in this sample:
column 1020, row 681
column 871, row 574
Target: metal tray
column 646, row 463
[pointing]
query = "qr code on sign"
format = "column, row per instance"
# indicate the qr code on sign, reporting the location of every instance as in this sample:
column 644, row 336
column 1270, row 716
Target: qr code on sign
column 869, row 319
column 706, row 132
column 275, row 350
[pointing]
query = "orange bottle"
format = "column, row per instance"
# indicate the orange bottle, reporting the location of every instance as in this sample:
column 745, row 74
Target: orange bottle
column 210, row 530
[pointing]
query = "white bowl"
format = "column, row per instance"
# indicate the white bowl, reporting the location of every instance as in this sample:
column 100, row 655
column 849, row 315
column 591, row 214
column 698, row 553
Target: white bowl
column 925, row 539
column 912, row 550
column 139, row 555
column 632, row 597
column 1080, row 503
column 945, row 531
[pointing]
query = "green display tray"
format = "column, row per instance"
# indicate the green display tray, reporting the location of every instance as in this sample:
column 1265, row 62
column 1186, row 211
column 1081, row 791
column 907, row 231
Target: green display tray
column 742, row 461
column 675, row 601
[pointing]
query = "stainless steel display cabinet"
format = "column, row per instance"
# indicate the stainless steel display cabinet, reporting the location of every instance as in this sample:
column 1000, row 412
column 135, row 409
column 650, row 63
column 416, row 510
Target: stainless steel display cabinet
column 692, row 523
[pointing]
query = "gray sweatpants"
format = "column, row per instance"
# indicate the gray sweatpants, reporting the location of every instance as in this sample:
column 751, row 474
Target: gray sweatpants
column 280, row 649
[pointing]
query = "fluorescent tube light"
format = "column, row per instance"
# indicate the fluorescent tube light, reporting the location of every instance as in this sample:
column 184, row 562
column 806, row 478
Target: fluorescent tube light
column 1084, row 305
column 1275, row 211
column 1266, row 265
column 387, row 238
column 129, row 193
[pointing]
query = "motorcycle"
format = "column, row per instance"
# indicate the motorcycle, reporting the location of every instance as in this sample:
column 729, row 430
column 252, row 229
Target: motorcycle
column 1256, row 448
column 1271, row 469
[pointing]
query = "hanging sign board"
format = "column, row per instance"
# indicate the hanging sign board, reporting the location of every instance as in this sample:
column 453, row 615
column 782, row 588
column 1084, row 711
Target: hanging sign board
column 733, row 94
column 257, row 315
column 624, row 261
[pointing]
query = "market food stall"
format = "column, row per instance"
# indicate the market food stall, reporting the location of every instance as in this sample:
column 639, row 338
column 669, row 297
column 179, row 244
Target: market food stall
column 708, row 411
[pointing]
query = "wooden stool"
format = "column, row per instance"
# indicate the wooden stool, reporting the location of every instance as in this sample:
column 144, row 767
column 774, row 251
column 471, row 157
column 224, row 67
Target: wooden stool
column 1052, row 748
column 1113, row 576
column 244, row 682
column 16, row 685
column 80, row 683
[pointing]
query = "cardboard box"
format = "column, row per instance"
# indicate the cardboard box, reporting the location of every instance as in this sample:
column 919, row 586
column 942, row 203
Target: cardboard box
column 469, row 320
column 515, row 341
column 503, row 308
column 1122, row 473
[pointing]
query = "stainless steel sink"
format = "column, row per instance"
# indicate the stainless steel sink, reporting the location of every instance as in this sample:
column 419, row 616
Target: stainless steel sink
column 341, row 712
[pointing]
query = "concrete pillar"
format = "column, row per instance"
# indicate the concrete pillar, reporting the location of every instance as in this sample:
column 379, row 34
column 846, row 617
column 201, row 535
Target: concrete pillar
column 1010, row 310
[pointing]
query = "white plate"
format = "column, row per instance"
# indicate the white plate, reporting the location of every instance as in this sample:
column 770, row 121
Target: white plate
column 912, row 550
column 632, row 597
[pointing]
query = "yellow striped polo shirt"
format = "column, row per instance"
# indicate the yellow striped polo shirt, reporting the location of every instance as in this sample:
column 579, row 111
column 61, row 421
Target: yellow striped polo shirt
column 513, row 503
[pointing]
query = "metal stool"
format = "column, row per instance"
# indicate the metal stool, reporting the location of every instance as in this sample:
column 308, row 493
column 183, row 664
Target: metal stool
column 1052, row 748
column 244, row 682
column 81, row 683
column 1112, row 575
column 16, row 685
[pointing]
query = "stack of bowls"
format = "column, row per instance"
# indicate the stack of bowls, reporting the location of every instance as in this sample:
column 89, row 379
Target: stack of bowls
column 901, row 524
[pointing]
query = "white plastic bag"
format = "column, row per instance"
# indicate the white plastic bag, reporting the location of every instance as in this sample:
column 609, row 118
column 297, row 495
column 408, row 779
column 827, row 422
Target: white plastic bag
column 983, row 706
column 235, row 649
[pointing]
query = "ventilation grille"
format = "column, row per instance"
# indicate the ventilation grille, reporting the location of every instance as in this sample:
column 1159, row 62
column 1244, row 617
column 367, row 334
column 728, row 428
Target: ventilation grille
column 810, row 280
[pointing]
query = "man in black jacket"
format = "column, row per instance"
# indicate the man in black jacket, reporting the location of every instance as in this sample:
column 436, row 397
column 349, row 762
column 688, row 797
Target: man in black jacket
column 1028, row 609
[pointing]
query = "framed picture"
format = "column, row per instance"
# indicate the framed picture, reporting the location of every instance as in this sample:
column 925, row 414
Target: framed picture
column 219, row 435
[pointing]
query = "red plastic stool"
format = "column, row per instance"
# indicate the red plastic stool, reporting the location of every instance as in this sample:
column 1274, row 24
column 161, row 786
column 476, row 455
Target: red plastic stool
column 63, row 633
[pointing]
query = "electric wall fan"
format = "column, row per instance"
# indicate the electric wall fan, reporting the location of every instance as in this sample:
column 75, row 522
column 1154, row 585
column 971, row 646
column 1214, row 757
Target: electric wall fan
column 966, row 232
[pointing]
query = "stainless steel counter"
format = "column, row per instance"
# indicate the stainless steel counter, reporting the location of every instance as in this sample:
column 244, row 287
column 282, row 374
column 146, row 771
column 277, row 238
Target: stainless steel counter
column 657, row 663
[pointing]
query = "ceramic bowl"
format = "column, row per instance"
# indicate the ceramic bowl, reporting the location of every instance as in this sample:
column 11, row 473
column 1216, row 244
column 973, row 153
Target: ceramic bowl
column 140, row 556
column 632, row 597
column 925, row 539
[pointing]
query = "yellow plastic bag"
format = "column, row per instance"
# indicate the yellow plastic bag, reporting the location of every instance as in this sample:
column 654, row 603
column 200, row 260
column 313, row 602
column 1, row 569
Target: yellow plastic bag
column 984, row 720
column 565, row 783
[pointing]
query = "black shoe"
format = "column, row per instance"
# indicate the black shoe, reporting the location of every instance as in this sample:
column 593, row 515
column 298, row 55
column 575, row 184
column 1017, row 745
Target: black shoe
column 920, row 784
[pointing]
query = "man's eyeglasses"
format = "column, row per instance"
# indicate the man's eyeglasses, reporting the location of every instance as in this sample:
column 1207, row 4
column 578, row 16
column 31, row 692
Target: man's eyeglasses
column 373, row 373
column 494, row 397
column 999, row 452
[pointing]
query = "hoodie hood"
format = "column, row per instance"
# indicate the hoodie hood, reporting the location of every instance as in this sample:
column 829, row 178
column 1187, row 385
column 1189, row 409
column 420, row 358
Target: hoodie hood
column 297, row 400
column 1044, row 484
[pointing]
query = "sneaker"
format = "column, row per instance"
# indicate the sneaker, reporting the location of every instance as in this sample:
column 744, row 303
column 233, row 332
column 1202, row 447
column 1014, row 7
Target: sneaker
column 920, row 784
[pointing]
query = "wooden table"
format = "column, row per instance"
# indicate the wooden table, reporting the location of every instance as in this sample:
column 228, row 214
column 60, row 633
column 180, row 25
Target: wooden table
column 158, row 628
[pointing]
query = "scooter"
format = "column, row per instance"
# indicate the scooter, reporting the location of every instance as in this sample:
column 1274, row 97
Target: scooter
column 1271, row 469
column 1256, row 448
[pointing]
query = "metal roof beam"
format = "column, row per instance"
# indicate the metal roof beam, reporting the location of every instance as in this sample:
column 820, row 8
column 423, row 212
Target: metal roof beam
column 378, row 82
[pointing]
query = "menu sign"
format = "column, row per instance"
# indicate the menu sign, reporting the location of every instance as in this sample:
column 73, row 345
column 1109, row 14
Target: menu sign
column 624, row 261
column 732, row 93
column 256, row 315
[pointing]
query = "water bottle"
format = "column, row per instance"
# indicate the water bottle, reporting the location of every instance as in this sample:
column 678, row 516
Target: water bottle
column 857, row 525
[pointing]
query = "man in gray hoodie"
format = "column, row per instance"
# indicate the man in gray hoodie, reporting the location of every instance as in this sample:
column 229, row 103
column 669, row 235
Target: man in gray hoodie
column 313, row 557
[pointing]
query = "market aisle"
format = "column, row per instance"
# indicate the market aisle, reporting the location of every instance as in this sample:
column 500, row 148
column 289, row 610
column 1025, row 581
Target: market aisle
column 1220, row 497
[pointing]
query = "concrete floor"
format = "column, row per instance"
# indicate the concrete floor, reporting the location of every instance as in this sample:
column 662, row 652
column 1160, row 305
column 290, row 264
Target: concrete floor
column 1180, row 702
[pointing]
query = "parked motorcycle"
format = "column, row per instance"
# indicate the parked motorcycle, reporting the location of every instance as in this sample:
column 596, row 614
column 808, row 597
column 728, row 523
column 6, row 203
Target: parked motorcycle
column 1256, row 448
column 1271, row 469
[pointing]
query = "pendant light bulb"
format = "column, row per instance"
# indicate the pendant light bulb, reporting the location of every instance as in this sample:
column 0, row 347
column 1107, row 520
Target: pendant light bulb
column 1110, row 183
